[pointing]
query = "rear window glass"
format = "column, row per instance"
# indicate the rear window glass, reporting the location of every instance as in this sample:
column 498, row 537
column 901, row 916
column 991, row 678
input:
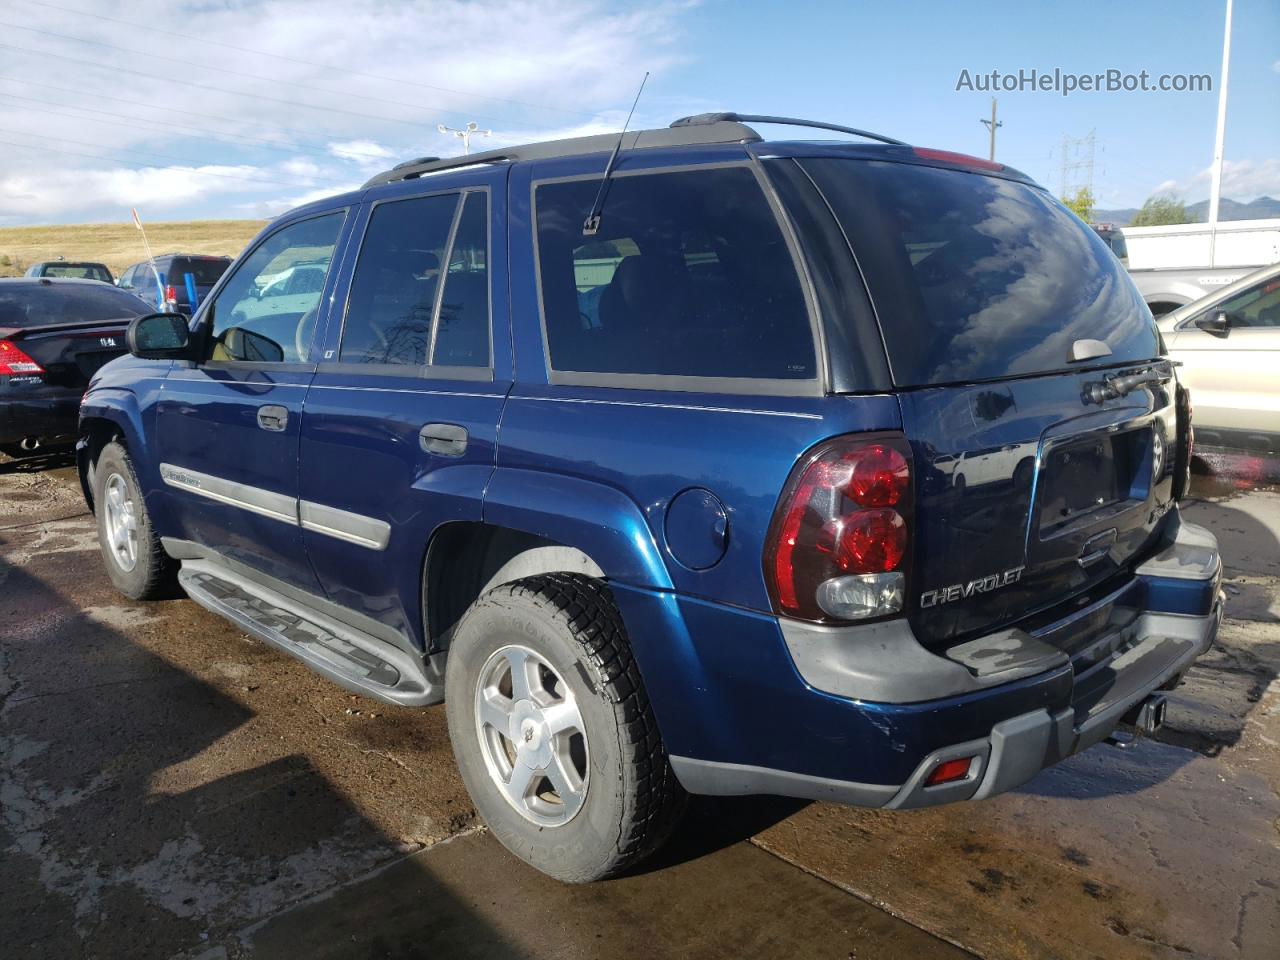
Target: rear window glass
column 689, row 275
column 38, row 304
column 206, row 272
column 80, row 271
column 979, row 278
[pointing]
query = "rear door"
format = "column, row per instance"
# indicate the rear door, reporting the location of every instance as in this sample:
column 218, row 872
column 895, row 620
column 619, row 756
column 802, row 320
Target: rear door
column 227, row 429
column 1034, row 483
column 1232, row 375
column 402, row 416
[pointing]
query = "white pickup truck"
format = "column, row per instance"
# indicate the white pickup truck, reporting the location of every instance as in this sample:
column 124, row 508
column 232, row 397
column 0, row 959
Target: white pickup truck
column 1170, row 265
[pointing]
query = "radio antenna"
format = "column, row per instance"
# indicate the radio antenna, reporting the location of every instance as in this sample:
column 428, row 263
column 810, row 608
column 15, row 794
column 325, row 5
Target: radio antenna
column 592, row 223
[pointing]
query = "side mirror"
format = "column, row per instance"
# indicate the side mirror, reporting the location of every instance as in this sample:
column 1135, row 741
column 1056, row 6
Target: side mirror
column 160, row 336
column 1217, row 323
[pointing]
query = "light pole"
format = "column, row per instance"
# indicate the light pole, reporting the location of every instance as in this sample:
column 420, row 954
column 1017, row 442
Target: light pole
column 1215, row 186
column 465, row 134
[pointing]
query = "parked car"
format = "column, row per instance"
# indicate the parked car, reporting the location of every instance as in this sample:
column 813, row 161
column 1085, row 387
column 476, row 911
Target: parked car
column 1229, row 345
column 1113, row 237
column 170, row 291
column 703, row 537
column 78, row 269
column 1178, row 264
column 54, row 335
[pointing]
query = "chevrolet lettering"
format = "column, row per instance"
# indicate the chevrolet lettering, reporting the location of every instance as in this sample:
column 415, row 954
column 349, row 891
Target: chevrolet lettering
column 958, row 591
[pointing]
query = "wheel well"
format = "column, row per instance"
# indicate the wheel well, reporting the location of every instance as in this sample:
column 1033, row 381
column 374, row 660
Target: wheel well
column 466, row 560
column 97, row 432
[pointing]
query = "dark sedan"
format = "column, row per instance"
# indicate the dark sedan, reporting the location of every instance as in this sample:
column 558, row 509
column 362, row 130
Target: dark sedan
column 55, row 333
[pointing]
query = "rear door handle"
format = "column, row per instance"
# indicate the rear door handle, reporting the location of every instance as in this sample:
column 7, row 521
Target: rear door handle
column 273, row 418
column 445, row 439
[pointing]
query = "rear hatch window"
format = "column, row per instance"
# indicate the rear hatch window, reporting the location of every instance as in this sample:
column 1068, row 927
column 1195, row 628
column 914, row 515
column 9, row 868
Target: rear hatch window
column 979, row 278
column 80, row 271
column 25, row 305
column 206, row 271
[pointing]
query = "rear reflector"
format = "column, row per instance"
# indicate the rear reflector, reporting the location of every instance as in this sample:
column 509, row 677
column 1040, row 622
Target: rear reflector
column 949, row 771
column 15, row 363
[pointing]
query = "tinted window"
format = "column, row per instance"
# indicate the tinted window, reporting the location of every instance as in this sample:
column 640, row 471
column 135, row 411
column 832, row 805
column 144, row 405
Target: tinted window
column 393, row 291
column 462, row 330
column 81, row 271
column 254, row 316
column 206, row 272
column 37, row 304
column 689, row 275
column 1259, row 306
column 976, row 277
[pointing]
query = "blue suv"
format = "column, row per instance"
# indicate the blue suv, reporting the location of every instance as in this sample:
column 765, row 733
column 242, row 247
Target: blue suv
column 681, row 462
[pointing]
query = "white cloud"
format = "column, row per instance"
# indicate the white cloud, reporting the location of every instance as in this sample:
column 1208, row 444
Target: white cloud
column 1242, row 180
column 353, row 86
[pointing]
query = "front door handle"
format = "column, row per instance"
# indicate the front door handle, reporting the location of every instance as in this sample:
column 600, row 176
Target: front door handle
column 273, row 418
column 445, row 439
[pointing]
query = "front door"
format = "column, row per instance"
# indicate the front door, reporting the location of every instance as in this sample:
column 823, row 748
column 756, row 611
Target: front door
column 228, row 427
column 402, row 415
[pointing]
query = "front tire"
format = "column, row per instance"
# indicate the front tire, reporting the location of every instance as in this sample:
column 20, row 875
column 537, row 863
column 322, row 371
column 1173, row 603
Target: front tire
column 135, row 561
column 553, row 732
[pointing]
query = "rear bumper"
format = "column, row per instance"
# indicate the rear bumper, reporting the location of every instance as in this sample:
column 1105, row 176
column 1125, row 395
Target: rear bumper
column 864, row 715
column 51, row 414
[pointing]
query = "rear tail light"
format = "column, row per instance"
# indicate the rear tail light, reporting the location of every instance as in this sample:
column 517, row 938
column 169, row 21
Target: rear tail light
column 13, row 362
column 170, row 295
column 839, row 540
column 1185, row 443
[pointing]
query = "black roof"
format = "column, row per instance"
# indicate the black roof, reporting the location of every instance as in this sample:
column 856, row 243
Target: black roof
column 705, row 128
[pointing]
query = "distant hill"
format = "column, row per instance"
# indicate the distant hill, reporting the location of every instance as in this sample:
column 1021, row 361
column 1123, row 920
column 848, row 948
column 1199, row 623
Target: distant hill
column 1264, row 208
column 119, row 244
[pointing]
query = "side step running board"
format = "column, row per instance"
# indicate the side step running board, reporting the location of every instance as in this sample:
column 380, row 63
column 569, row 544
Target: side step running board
column 347, row 656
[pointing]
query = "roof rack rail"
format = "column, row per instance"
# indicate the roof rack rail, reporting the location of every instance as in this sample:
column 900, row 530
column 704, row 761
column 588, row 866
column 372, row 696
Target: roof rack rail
column 702, row 118
column 676, row 135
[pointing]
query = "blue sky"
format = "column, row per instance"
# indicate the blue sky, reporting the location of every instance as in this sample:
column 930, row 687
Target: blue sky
column 242, row 108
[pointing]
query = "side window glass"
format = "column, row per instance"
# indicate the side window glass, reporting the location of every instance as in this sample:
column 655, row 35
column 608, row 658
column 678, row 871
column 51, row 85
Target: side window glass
column 393, row 290
column 462, row 330
column 1259, row 306
column 256, row 317
column 689, row 275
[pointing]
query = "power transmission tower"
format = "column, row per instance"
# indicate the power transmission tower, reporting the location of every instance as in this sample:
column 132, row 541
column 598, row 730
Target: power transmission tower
column 1077, row 163
column 991, row 125
column 472, row 129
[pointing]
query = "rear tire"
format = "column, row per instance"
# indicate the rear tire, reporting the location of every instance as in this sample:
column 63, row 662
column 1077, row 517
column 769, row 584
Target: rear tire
column 135, row 561
column 613, row 799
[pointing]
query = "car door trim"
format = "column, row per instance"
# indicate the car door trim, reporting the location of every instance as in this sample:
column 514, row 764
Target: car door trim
column 344, row 525
column 368, row 532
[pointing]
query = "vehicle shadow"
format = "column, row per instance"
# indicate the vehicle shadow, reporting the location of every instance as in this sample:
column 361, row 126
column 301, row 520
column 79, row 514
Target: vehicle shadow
column 51, row 459
column 712, row 823
column 130, row 827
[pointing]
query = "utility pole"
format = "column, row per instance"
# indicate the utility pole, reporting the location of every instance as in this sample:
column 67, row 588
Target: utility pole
column 991, row 125
column 472, row 129
column 1215, row 187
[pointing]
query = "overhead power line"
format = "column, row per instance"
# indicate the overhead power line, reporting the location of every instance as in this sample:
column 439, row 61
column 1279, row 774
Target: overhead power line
column 171, row 128
column 195, row 165
column 416, row 124
column 177, row 110
column 324, row 91
column 153, row 29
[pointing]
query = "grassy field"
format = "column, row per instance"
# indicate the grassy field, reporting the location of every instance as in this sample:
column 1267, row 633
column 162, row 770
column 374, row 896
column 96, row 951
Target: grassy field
column 119, row 244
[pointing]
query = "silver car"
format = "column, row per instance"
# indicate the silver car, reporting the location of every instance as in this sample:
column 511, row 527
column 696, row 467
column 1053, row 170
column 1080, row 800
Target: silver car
column 1229, row 344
